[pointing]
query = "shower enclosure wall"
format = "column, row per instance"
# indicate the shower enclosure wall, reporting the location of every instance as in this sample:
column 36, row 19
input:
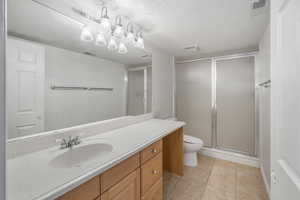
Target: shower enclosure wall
column 216, row 97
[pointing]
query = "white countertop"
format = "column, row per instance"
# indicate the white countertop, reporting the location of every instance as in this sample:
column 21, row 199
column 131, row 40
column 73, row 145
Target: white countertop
column 32, row 177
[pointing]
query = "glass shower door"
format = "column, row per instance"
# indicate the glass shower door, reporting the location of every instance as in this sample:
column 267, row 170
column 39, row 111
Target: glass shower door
column 194, row 98
column 235, row 104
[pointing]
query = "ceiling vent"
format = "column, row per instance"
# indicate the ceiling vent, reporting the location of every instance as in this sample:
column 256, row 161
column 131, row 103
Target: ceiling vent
column 259, row 7
column 256, row 4
column 192, row 48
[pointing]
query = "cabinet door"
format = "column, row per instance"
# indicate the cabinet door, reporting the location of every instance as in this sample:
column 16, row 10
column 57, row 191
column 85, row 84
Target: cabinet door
column 87, row 191
column 128, row 188
column 156, row 192
column 151, row 172
column 120, row 171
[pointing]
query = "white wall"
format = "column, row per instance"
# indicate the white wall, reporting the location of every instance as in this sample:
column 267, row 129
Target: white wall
column 163, row 84
column 263, row 74
column 70, row 107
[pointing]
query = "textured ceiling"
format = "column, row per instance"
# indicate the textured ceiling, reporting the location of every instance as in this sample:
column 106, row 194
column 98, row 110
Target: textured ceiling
column 216, row 26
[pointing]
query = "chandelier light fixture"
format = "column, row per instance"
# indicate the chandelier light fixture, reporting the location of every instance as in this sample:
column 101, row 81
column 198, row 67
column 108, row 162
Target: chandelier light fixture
column 130, row 34
column 122, row 48
column 105, row 22
column 140, row 41
column 86, row 34
column 113, row 36
column 100, row 40
column 112, row 45
column 119, row 30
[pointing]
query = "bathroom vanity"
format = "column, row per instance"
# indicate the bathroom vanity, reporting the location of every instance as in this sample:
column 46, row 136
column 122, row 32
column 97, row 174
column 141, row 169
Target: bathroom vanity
column 132, row 169
column 137, row 177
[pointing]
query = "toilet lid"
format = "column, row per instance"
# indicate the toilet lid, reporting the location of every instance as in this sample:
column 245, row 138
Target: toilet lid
column 192, row 140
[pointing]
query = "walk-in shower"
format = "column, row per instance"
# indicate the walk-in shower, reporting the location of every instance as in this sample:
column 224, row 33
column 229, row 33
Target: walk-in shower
column 216, row 97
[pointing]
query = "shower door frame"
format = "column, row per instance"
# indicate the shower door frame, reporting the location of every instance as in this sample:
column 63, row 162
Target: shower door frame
column 2, row 100
column 145, row 99
column 254, row 136
column 214, row 107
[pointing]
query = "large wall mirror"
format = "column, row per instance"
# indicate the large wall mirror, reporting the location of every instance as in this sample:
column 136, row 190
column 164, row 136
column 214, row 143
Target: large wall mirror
column 72, row 62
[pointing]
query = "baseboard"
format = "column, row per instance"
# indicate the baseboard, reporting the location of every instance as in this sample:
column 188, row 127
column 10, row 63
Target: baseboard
column 267, row 186
column 230, row 156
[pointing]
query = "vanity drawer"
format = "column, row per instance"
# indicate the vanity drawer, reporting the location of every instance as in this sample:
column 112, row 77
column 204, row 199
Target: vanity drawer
column 115, row 174
column 151, row 151
column 151, row 172
column 87, row 191
column 127, row 189
column 155, row 192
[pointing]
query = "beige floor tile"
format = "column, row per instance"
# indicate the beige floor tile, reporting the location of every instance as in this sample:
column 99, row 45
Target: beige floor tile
column 217, row 194
column 249, row 181
column 215, row 179
column 225, row 164
column 181, row 190
column 223, row 182
column 252, row 196
column 170, row 182
column 192, row 191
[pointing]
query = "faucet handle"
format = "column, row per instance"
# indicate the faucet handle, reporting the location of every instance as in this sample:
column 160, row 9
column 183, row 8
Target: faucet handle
column 77, row 140
column 63, row 143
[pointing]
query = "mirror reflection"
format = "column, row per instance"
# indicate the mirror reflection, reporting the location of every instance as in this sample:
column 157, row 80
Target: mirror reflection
column 70, row 64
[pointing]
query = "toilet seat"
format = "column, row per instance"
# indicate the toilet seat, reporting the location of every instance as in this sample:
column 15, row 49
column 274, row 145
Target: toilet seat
column 192, row 140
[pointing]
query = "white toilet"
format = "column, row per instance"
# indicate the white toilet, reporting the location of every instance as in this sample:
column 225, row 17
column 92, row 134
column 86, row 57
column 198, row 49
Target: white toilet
column 192, row 146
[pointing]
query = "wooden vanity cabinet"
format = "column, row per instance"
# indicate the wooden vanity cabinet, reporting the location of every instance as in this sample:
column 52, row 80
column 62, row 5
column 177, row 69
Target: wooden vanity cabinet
column 151, row 173
column 127, row 188
column 155, row 192
column 118, row 172
column 151, row 151
column 90, row 190
column 139, row 177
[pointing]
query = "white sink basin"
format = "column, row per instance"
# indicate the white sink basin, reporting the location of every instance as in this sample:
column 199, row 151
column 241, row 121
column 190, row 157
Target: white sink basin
column 80, row 154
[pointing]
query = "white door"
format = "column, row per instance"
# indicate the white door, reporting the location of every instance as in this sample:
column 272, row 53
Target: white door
column 285, row 99
column 25, row 75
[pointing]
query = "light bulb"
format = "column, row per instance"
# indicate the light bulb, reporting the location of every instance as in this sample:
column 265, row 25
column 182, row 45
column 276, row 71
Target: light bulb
column 106, row 25
column 86, row 34
column 122, row 48
column 130, row 38
column 119, row 31
column 100, row 40
column 140, row 43
column 112, row 45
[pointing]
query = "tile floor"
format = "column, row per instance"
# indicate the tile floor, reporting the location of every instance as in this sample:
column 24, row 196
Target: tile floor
column 216, row 179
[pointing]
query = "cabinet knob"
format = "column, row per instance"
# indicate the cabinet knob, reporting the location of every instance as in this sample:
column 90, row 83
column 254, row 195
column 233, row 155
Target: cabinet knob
column 154, row 151
column 155, row 172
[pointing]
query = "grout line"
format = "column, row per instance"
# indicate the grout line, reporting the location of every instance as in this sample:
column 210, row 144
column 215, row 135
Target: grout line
column 207, row 180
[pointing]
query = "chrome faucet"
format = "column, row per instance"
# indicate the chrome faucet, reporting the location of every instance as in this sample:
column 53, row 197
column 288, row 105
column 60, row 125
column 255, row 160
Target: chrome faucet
column 70, row 142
